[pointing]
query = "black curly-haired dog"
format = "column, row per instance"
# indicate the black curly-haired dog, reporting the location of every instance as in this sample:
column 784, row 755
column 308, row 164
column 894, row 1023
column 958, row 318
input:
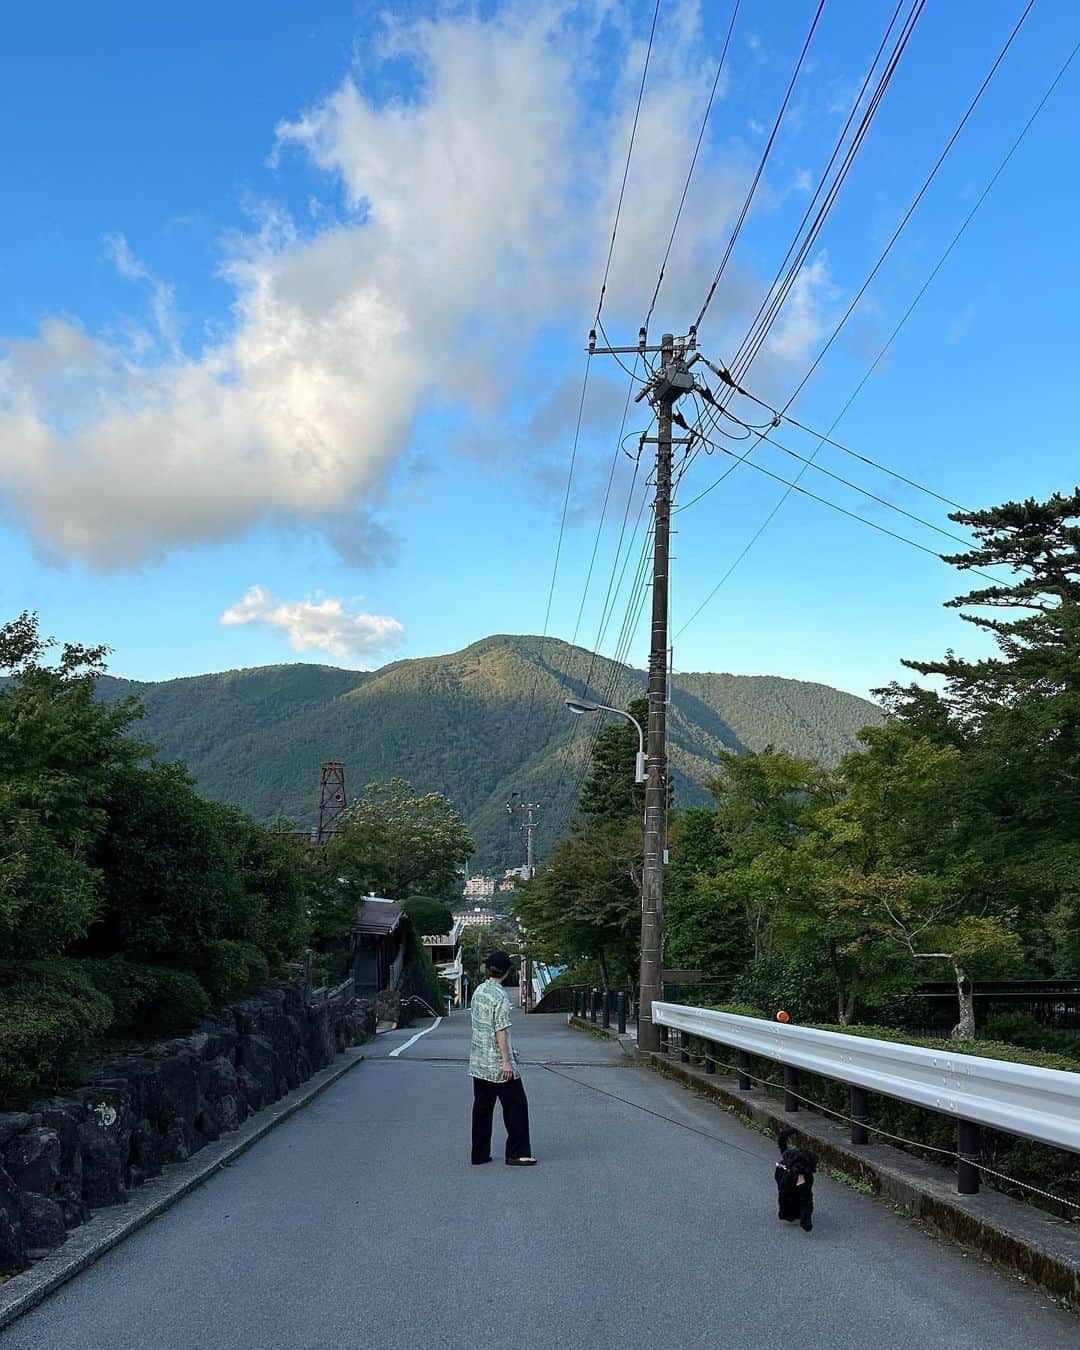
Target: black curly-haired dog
column 795, row 1182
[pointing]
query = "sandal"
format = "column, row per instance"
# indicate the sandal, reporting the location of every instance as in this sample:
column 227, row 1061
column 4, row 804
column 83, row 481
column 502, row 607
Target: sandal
column 521, row 1162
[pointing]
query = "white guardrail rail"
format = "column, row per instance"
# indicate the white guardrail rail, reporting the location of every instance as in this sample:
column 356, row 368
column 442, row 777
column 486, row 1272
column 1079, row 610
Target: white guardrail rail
column 1042, row 1104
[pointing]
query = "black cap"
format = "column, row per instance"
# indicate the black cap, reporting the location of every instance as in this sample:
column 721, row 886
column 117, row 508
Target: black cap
column 498, row 963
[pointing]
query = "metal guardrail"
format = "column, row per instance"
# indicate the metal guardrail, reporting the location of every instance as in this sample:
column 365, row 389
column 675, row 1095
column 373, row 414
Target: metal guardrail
column 1041, row 1104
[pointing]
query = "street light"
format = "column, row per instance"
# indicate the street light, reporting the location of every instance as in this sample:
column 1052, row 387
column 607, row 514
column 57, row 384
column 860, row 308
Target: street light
column 577, row 707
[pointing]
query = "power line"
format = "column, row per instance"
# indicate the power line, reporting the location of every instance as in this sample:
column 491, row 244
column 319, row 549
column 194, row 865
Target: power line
column 826, row 437
column 877, row 266
column 607, row 608
column 592, row 561
column 793, row 485
column 693, row 163
column 847, row 482
column 626, row 166
column 779, row 290
column 917, row 199
column 760, row 169
column 526, row 726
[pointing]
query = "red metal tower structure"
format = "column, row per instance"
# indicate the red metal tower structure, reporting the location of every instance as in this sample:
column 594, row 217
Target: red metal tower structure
column 332, row 801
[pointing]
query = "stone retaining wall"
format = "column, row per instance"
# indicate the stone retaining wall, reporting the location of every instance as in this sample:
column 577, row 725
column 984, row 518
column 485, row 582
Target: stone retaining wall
column 65, row 1156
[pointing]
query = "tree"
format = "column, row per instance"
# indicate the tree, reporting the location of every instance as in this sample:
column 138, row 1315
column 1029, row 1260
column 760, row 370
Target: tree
column 705, row 922
column 1015, row 721
column 586, row 902
column 171, row 887
column 60, row 751
column 610, row 792
column 396, row 842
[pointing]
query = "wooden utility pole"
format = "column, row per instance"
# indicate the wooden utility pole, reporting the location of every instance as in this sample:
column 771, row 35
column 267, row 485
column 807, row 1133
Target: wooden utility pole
column 668, row 384
column 652, row 876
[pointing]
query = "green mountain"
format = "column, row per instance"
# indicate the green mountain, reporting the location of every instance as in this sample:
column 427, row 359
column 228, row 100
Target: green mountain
column 477, row 724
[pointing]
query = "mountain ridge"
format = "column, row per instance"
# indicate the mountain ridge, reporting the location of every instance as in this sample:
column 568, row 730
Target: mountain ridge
column 477, row 724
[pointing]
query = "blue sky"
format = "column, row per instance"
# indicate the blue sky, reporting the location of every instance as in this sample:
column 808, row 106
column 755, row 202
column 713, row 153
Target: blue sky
column 293, row 303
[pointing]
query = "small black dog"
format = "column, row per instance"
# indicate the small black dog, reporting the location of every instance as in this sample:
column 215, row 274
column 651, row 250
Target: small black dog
column 795, row 1182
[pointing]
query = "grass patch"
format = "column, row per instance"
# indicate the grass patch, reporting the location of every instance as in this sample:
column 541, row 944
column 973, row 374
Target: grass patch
column 859, row 1184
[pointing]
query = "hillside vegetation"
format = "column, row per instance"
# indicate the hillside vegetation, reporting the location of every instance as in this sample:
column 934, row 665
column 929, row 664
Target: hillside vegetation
column 476, row 724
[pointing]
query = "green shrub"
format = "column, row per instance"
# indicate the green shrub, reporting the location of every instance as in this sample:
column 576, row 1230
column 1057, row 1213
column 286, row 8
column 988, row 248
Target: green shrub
column 1020, row 1028
column 49, row 1012
column 147, row 998
column 804, row 988
column 228, row 969
column 428, row 915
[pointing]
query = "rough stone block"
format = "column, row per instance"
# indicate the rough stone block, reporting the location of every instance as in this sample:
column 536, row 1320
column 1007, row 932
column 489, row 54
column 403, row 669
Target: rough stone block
column 13, row 1123
column 32, row 1160
column 145, row 1154
column 42, row 1222
column 13, row 1256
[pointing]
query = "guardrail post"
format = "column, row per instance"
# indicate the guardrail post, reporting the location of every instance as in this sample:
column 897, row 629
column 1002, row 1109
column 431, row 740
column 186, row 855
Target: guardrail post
column 969, row 1147
column 744, row 1071
column 684, row 1047
column 606, row 1009
column 860, row 1114
column 593, row 999
column 621, row 1003
column 710, row 1057
column 791, row 1083
column 665, row 1040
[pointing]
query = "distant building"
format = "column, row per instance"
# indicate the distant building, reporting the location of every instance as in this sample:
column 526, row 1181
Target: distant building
column 479, row 888
column 478, row 917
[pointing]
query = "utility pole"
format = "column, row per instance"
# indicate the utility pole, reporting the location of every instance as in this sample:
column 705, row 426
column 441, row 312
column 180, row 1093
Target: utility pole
column 528, row 830
column 668, row 384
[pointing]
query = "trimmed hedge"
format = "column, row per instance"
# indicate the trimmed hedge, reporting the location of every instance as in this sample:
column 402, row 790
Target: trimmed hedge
column 53, row 1010
column 1041, row 1165
column 49, row 1010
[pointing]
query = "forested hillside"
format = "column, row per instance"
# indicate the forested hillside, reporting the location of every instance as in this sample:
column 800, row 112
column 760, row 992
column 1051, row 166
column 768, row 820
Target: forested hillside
column 476, row 724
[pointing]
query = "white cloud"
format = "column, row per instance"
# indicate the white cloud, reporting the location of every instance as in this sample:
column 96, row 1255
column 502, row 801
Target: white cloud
column 478, row 211
column 322, row 623
column 802, row 321
column 162, row 295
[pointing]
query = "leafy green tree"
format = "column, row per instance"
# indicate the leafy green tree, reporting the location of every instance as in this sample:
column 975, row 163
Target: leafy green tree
column 705, row 921
column 60, row 751
column 396, row 842
column 171, row 887
column 271, row 910
column 1015, row 720
column 586, row 902
column 610, row 792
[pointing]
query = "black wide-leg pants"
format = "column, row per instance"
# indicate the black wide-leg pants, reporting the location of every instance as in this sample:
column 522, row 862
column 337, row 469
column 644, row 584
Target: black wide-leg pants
column 515, row 1109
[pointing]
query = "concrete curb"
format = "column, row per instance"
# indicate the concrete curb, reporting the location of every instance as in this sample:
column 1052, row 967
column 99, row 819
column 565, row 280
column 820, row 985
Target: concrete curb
column 108, row 1227
column 1040, row 1250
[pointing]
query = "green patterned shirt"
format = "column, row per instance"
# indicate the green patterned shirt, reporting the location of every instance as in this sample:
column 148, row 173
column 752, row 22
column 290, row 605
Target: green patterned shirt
column 490, row 1013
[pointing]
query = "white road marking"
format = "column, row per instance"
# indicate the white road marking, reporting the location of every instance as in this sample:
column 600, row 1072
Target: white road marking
column 413, row 1039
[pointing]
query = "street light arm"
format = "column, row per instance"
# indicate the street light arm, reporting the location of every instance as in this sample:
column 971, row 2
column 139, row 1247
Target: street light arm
column 578, row 707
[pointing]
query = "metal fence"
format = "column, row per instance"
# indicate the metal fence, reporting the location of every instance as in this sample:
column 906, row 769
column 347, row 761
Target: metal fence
column 1040, row 1104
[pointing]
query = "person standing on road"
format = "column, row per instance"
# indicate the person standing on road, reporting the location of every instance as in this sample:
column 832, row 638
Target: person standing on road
column 493, row 1073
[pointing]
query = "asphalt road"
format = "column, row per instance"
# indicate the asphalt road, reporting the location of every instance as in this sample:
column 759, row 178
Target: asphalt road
column 359, row 1222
